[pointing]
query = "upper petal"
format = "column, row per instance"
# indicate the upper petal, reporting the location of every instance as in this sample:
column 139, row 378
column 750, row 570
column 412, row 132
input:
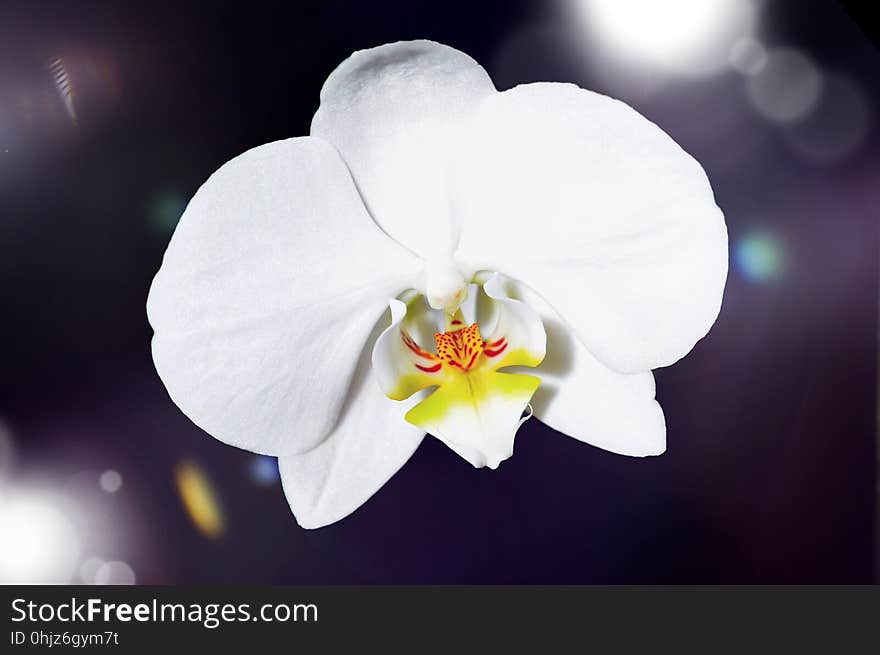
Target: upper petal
column 601, row 212
column 261, row 306
column 395, row 112
column 368, row 445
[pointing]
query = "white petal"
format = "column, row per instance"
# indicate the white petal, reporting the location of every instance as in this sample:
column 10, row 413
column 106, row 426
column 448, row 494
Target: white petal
column 368, row 445
column 262, row 304
column 401, row 362
column 395, row 112
column 581, row 397
column 601, row 212
column 515, row 327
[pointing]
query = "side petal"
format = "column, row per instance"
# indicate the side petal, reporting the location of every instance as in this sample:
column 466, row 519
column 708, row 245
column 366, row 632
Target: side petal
column 601, row 212
column 368, row 445
column 261, row 306
column 401, row 365
column 517, row 337
column 394, row 112
column 581, row 397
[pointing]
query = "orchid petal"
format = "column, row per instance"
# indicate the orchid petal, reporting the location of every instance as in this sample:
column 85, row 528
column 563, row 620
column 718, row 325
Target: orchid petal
column 261, row 306
column 517, row 334
column 602, row 213
column 402, row 366
column 584, row 399
column 395, row 112
column 368, row 446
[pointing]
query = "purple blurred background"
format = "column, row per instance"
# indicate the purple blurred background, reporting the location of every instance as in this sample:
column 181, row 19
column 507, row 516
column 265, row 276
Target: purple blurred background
column 111, row 115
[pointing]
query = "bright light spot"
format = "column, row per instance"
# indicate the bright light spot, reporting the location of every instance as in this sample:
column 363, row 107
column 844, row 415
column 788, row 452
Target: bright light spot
column 110, row 481
column 748, row 56
column 200, row 499
column 38, row 545
column 684, row 36
column 264, row 470
column 88, row 570
column 787, row 88
column 837, row 125
column 759, row 257
column 114, row 573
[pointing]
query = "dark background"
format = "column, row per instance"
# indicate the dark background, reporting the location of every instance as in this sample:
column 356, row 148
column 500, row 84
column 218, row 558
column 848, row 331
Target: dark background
column 770, row 470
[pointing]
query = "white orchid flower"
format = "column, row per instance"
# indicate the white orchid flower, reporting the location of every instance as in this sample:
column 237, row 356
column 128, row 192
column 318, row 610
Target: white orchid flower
column 486, row 218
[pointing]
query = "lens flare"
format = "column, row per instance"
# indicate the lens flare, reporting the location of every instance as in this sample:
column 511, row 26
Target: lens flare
column 837, row 126
column 787, row 88
column 199, row 499
column 167, row 210
column 63, row 84
column 110, row 481
column 748, row 56
column 759, row 257
column 86, row 502
column 89, row 569
column 264, row 470
column 114, row 573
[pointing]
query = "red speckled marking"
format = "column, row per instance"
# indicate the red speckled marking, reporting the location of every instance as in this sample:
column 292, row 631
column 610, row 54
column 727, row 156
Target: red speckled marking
column 460, row 348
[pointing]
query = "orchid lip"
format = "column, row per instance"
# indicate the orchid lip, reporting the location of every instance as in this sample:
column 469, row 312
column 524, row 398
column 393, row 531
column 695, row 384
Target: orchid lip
column 475, row 409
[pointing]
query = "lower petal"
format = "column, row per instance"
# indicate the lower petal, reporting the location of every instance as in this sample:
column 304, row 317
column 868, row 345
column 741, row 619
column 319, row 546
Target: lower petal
column 583, row 398
column 367, row 446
